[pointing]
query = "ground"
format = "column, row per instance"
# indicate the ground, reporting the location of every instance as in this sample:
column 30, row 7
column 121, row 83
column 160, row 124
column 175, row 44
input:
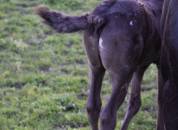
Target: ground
column 43, row 75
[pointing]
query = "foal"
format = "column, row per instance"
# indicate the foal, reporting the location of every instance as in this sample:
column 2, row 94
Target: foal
column 124, row 43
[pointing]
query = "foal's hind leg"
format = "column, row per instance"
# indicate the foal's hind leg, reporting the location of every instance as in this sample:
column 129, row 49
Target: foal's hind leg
column 135, row 99
column 94, row 101
column 109, row 113
column 96, row 75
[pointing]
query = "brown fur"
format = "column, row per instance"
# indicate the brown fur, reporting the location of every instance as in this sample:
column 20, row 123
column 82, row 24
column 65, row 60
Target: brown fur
column 125, row 43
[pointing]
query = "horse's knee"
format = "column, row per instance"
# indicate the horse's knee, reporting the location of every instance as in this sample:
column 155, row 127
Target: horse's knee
column 105, row 117
column 107, row 120
column 93, row 108
column 108, row 116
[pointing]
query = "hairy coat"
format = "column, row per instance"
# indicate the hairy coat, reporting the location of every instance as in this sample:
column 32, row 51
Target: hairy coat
column 123, row 40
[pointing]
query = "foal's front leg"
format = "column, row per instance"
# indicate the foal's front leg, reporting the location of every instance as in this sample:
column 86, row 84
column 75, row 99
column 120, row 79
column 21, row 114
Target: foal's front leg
column 135, row 99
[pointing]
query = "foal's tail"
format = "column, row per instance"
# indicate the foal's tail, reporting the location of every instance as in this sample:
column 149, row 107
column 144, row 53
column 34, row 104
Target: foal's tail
column 62, row 23
column 68, row 24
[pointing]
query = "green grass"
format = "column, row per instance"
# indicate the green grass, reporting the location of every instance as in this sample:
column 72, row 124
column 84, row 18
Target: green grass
column 43, row 75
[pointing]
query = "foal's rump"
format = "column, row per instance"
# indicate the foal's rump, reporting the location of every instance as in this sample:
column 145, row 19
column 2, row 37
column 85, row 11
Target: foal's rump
column 115, row 43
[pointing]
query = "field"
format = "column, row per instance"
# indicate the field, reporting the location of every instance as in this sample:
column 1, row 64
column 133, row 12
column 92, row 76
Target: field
column 43, row 75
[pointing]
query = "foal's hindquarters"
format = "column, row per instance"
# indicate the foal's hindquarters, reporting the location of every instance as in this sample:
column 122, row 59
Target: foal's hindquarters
column 127, row 44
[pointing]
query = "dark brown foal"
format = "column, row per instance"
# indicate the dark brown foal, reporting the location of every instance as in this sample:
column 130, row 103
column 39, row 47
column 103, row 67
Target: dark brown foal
column 124, row 42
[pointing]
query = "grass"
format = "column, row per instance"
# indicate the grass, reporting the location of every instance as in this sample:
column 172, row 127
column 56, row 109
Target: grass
column 43, row 75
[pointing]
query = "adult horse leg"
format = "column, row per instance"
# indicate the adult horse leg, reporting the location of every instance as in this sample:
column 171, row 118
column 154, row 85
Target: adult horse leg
column 135, row 99
column 160, row 118
column 170, row 72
